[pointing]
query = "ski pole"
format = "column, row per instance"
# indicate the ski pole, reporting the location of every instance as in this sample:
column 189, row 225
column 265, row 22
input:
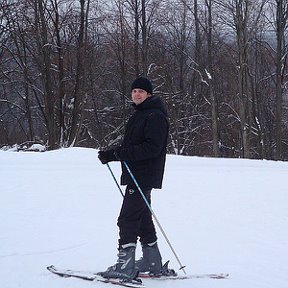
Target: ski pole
column 156, row 219
column 115, row 179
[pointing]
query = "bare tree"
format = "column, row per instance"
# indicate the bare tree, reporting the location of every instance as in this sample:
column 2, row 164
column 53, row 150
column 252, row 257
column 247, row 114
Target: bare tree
column 210, row 76
column 78, row 97
column 281, row 62
column 44, row 46
column 18, row 49
column 245, row 16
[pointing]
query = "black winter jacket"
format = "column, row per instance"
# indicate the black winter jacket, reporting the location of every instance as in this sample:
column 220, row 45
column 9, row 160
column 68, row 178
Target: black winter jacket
column 144, row 144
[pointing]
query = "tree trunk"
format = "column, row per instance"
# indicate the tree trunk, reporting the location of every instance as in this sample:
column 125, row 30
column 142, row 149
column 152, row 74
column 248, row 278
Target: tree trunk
column 281, row 20
column 144, row 39
column 241, row 31
column 79, row 90
column 214, row 113
column 47, row 78
column 136, row 39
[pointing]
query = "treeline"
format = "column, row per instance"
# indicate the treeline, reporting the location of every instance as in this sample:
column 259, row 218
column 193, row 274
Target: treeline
column 220, row 66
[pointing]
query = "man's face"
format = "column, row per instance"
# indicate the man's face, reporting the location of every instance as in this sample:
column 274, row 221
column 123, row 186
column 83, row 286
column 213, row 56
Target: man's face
column 139, row 95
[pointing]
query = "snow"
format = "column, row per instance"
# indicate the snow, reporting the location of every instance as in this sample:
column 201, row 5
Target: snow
column 221, row 215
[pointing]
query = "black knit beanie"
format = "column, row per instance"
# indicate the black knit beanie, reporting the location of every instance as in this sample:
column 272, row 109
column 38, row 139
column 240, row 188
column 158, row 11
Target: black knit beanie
column 142, row 83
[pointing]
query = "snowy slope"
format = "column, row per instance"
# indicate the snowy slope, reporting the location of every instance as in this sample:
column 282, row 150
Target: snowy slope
column 221, row 215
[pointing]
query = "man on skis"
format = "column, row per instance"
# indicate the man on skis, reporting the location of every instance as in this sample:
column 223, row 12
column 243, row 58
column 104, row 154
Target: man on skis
column 144, row 150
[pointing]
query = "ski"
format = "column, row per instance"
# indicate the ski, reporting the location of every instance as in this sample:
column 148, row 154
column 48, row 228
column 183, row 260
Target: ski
column 89, row 276
column 191, row 276
column 137, row 283
column 170, row 274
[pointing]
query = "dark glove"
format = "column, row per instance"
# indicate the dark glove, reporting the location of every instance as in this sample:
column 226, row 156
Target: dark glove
column 121, row 154
column 107, row 156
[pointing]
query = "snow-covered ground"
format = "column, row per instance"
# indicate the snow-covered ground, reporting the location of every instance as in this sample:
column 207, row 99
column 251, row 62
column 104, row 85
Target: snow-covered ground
column 221, row 215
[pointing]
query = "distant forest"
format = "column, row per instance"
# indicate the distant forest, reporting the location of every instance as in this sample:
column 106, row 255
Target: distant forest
column 66, row 67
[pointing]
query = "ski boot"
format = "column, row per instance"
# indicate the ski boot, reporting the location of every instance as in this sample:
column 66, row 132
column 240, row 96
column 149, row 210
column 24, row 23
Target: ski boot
column 151, row 261
column 125, row 267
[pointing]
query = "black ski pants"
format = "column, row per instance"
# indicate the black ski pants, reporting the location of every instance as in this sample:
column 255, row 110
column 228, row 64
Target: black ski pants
column 135, row 218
